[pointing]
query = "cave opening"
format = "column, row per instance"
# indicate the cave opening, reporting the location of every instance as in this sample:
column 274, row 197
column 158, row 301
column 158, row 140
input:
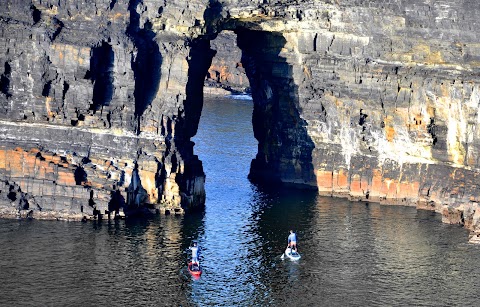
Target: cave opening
column 145, row 62
column 5, row 80
column 101, row 70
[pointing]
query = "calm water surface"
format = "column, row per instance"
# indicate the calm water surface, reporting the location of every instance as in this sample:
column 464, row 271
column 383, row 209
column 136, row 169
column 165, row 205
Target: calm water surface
column 353, row 254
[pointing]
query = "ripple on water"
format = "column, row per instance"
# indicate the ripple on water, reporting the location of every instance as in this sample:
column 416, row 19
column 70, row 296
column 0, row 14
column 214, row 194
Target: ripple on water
column 353, row 254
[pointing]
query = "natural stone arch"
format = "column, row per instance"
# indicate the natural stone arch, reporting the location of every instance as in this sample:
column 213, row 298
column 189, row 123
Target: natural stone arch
column 387, row 92
column 284, row 149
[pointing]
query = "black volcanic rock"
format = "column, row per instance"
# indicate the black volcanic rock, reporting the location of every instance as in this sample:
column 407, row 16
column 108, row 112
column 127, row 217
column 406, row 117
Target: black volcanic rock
column 371, row 100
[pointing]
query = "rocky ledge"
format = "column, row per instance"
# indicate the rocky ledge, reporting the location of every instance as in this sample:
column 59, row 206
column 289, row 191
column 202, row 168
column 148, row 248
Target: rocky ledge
column 371, row 100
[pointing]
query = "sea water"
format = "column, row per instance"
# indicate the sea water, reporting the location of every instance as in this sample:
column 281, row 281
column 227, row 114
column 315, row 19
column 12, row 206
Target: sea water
column 353, row 253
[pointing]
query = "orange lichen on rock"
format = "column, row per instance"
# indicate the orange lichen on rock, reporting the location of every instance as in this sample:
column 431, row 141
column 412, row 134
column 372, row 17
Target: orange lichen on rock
column 3, row 159
column 389, row 188
column 66, row 178
column 29, row 165
column 418, row 123
column 148, row 183
column 68, row 54
column 15, row 163
column 34, row 164
column 151, row 127
column 389, row 129
column 376, row 186
column 324, row 181
column 408, row 190
column 118, row 16
column 340, row 181
column 451, row 215
column 355, row 184
column 358, row 186
column 220, row 73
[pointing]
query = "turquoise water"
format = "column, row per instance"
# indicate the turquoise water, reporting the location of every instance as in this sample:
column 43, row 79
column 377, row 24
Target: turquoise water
column 353, row 254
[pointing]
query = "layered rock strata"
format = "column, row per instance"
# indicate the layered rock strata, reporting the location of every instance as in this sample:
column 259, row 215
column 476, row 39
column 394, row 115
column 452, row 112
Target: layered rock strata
column 93, row 105
column 226, row 71
column 371, row 100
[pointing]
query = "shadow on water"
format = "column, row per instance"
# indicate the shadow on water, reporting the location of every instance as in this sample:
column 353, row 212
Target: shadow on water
column 192, row 229
column 355, row 253
column 284, row 209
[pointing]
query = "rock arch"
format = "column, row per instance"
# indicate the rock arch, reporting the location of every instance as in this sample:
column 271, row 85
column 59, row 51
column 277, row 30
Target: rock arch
column 285, row 148
column 359, row 99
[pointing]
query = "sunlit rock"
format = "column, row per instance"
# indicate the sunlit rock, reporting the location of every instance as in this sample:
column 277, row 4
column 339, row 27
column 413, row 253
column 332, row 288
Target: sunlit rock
column 370, row 100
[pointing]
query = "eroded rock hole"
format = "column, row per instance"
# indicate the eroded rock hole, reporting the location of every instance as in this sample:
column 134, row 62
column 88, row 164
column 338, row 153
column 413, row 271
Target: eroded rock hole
column 36, row 14
column 46, row 89
column 226, row 71
column 12, row 196
column 431, row 128
column 54, row 29
column 362, row 118
column 101, row 74
column 146, row 63
column 116, row 202
column 80, row 175
column 5, row 80
column 66, row 87
column 91, row 202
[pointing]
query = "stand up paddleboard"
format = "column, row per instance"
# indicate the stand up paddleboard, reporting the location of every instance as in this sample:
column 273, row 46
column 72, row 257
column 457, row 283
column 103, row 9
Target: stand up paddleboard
column 292, row 254
column 195, row 270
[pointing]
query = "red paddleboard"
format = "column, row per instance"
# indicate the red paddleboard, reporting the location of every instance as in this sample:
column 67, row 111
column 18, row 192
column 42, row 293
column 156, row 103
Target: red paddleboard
column 196, row 271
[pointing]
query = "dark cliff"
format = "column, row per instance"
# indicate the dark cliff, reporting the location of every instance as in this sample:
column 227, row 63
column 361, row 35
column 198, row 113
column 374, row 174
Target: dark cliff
column 372, row 100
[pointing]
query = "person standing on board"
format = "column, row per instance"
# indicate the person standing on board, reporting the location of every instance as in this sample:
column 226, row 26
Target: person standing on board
column 292, row 241
column 194, row 250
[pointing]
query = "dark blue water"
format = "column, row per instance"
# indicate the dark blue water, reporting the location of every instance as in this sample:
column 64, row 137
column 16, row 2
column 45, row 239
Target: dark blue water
column 353, row 254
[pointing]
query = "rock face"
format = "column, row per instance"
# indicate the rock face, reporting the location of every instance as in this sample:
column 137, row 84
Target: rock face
column 227, row 70
column 371, row 100
column 95, row 109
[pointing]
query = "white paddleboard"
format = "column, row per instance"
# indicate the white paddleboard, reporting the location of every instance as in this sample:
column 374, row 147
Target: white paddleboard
column 292, row 254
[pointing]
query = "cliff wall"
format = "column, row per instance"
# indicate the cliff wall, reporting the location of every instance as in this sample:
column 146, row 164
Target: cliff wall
column 371, row 100
column 92, row 101
column 226, row 71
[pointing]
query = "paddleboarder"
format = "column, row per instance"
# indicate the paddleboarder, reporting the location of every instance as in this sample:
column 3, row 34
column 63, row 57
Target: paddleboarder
column 194, row 250
column 292, row 241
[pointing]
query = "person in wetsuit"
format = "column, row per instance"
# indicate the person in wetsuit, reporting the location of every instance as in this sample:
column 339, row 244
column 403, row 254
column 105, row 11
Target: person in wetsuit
column 194, row 250
column 292, row 241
